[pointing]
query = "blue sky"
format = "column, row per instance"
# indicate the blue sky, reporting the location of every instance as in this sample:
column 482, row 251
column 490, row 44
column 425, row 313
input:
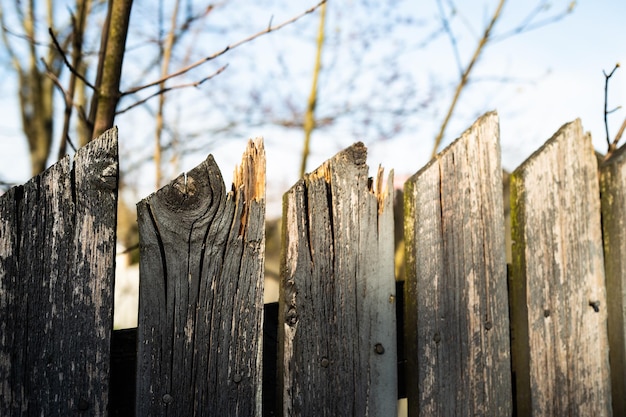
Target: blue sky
column 556, row 72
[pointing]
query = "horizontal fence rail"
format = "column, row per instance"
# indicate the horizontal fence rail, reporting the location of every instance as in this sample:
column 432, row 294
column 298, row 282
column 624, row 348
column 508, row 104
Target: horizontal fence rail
column 459, row 333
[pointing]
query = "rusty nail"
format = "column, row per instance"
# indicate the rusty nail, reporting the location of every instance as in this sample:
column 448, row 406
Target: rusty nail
column 379, row 348
column 325, row 362
column 595, row 305
column 168, row 399
column 237, row 378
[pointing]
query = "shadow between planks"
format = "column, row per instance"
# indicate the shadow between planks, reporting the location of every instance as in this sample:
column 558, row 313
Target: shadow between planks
column 124, row 362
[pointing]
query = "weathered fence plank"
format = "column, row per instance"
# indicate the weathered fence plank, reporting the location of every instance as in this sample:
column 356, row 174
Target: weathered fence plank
column 57, row 258
column 201, row 293
column 337, row 354
column 456, row 309
column 558, row 305
column 613, row 192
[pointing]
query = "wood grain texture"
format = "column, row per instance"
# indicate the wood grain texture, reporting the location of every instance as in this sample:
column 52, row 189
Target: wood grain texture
column 613, row 202
column 456, row 309
column 558, row 305
column 57, row 263
column 337, row 354
column 201, row 293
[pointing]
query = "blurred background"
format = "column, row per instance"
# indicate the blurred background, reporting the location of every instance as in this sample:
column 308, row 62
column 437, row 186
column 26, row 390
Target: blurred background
column 404, row 77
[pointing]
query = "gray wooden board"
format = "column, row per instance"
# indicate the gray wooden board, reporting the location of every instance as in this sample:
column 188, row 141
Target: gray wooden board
column 456, row 304
column 201, row 296
column 337, row 341
column 613, row 192
column 57, row 265
column 558, row 304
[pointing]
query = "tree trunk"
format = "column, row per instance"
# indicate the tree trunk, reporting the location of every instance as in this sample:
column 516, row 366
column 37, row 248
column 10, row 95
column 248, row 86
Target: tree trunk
column 108, row 93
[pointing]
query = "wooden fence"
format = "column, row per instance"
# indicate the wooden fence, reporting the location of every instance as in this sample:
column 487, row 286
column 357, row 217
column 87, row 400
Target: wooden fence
column 462, row 334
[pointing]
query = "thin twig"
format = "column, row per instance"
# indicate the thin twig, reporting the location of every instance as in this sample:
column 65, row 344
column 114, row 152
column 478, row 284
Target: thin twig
column 223, row 51
column 7, row 44
column 56, row 81
column 78, row 29
column 445, row 22
column 465, row 76
column 528, row 25
column 175, row 87
column 606, row 103
column 23, row 37
column 620, row 132
column 67, row 63
column 309, row 115
column 69, row 103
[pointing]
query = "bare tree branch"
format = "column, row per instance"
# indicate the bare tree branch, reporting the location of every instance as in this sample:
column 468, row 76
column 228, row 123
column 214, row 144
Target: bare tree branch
column 445, row 22
column 466, row 74
column 309, row 116
column 69, row 66
column 165, row 53
column 607, row 77
column 176, row 87
column 223, row 51
column 528, row 25
column 620, row 132
column 14, row 60
column 78, row 30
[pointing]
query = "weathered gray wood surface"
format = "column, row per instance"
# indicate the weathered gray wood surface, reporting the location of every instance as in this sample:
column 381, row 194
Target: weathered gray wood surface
column 613, row 192
column 57, row 259
column 337, row 354
column 456, row 309
column 201, row 293
column 558, row 305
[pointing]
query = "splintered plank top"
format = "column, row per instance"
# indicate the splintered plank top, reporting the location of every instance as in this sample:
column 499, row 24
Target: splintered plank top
column 337, row 306
column 201, row 293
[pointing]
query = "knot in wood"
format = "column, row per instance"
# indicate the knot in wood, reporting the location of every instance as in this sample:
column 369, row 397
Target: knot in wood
column 186, row 193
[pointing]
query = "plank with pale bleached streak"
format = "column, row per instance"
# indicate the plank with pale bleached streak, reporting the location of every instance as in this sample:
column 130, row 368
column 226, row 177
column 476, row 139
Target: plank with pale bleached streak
column 456, row 304
column 558, row 307
column 57, row 265
column 337, row 338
